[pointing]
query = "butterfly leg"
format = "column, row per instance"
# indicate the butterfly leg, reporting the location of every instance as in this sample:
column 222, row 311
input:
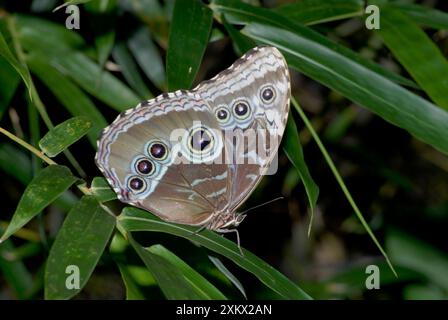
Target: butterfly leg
column 237, row 237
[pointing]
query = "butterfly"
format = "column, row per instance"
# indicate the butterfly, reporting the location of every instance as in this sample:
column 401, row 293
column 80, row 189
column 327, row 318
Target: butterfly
column 193, row 157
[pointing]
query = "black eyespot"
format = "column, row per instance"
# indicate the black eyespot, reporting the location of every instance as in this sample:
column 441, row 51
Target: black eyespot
column 157, row 150
column 222, row 115
column 200, row 139
column 136, row 184
column 144, row 166
column 267, row 94
column 241, row 110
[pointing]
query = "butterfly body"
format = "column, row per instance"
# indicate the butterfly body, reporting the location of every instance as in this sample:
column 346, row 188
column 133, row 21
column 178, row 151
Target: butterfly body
column 193, row 157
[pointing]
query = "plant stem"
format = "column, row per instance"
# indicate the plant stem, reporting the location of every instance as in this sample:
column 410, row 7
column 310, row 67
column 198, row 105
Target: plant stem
column 341, row 182
column 26, row 145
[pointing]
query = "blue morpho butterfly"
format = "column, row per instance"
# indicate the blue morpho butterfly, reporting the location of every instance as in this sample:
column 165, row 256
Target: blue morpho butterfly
column 193, row 157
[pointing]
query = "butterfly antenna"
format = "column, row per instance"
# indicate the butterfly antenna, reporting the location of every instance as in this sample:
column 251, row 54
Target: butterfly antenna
column 263, row 204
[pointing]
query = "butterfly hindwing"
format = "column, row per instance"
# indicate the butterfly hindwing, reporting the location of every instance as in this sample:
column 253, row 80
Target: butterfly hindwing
column 250, row 101
column 148, row 157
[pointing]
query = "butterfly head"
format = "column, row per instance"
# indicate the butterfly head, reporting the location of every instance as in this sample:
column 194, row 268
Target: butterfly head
column 225, row 220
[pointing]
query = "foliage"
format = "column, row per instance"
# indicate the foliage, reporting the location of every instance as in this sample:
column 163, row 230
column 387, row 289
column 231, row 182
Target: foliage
column 81, row 79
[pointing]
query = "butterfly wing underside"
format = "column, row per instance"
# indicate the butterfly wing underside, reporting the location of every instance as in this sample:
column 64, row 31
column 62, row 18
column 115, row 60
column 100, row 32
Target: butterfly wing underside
column 260, row 81
column 144, row 158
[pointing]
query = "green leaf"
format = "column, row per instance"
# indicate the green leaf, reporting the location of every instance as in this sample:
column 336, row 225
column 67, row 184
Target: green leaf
column 241, row 43
column 201, row 285
column 99, row 83
column 71, row 97
column 237, row 12
column 423, row 15
column 294, row 152
column 419, row 256
column 148, row 57
column 318, row 11
column 101, row 190
column 47, row 34
column 395, row 104
column 417, row 53
column 8, row 55
column 133, row 219
column 132, row 290
column 60, row 52
column 173, row 281
column 190, row 29
column 129, row 69
column 80, row 242
column 9, row 81
column 229, row 275
column 46, row 186
column 63, row 135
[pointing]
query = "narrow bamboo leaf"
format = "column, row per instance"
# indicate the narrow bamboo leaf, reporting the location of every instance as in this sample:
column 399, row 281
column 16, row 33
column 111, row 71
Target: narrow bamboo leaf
column 153, row 15
column 71, row 97
column 46, row 186
column 78, row 247
column 294, row 152
column 63, row 135
column 417, row 53
column 190, row 29
column 132, row 290
column 241, row 43
column 202, row 285
column 148, row 57
column 8, row 55
column 237, row 12
column 49, row 34
column 103, row 23
column 99, row 83
column 395, row 104
column 419, row 256
column 61, row 53
column 9, row 81
column 423, row 15
column 170, row 278
column 133, row 219
column 318, row 11
column 229, row 275
column 101, row 190
column 129, row 69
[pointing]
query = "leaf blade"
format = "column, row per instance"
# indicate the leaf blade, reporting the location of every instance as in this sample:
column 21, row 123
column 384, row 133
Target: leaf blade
column 46, row 186
column 188, row 38
column 63, row 135
column 133, row 219
column 380, row 95
column 80, row 242
column 417, row 53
